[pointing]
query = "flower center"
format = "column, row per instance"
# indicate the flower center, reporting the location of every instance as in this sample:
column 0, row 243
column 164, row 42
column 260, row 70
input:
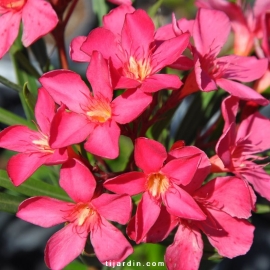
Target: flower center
column 43, row 144
column 157, row 184
column 99, row 110
column 12, row 4
column 138, row 69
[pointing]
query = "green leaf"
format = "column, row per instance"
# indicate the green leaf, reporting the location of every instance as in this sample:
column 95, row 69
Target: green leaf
column 262, row 208
column 154, row 8
column 100, row 8
column 10, row 84
column 30, row 98
column 9, row 203
column 75, row 265
column 10, row 119
column 33, row 187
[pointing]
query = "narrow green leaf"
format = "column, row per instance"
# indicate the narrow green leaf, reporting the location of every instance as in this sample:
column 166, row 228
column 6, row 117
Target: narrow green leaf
column 30, row 99
column 100, row 8
column 154, row 8
column 10, row 84
column 9, row 118
column 9, row 203
column 33, row 187
column 262, row 208
column 75, row 265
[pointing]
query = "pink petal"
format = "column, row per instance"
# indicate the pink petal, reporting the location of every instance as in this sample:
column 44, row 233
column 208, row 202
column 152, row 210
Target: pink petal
column 39, row 18
column 182, row 170
column 104, row 140
column 44, row 111
column 162, row 227
column 77, row 180
column 134, row 99
column 64, row 246
column 149, row 155
column 59, row 156
column 242, row 91
column 114, row 20
column 229, row 108
column 157, row 82
column 116, row 249
column 121, row 2
column 179, row 203
column 75, row 52
column 43, row 211
column 210, row 41
column 224, row 144
column 22, row 166
column 18, row 138
column 113, row 207
column 169, row 51
column 203, row 167
column 137, row 34
column 243, row 69
column 182, row 63
column 61, row 133
column 249, row 128
column 121, row 82
column 224, row 191
column 130, row 183
column 99, row 76
column 147, row 213
column 66, row 87
column 10, row 24
column 187, row 249
column 229, row 241
column 104, row 41
column 258, row 178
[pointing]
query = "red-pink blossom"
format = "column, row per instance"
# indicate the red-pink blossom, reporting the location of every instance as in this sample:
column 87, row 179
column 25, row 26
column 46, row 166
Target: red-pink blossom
column 92, row 115
column 127, row 39
column 226, row 203
column 34, row 147
column 211, row 71
column 38, row 18
column 88, row 214
column 121, row 2
column 161, row 182
column 238, row 145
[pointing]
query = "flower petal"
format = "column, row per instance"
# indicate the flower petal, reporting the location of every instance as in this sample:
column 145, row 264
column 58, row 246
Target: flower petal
column 187, row 249
column 241, row 91
column 64, row 246
column 114, row 207
column 10, row 24
column 77, row 180
column 117, row 247
column 104, row 140
column 43, row 211
column 157, row 82
column 38, row 18
column 130, row 183
column 179, row 203
column 75, row 52
column 149, row 155
column 44, row 111
column 66, row 87
column 22, row 166
column 134, row 99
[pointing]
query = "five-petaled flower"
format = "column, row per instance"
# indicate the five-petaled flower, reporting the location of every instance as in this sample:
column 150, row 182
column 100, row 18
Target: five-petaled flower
column 88, row 214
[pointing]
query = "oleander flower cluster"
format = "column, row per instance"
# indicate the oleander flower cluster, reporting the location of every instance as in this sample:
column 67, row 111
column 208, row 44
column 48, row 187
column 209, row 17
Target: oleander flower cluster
column 167, row 191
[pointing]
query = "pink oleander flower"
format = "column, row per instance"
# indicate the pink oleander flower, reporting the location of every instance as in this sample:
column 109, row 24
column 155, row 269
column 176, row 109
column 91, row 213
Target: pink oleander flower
column 211, row 72
column 91, row 115
column 121, row 2
column 34, row 147
column 161, row 182
column 247, row 22
column 238, row 145
column 88, row 214
column 38, row 18
column 127, row 39
column 226, row 203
